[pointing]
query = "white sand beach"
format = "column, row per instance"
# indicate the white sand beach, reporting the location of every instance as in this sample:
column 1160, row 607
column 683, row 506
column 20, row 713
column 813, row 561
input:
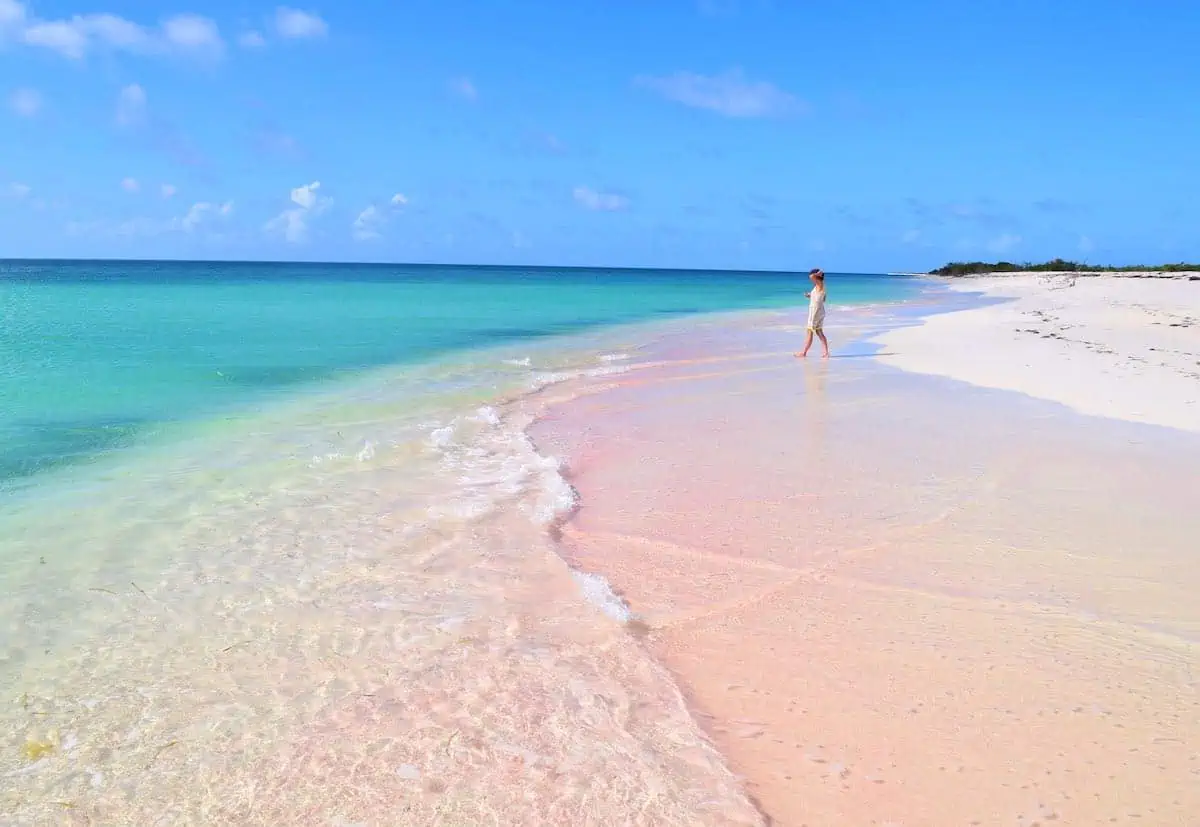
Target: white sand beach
column 1106, row 345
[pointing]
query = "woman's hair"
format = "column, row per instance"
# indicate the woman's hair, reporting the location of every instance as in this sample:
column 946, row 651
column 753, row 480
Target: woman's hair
column 818, row 274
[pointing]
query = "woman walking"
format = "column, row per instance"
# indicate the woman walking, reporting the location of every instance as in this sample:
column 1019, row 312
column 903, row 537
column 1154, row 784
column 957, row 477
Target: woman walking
column 816, row 313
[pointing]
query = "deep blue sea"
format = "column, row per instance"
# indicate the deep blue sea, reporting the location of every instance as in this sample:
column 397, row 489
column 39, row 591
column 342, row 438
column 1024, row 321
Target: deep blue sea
column 97, row 355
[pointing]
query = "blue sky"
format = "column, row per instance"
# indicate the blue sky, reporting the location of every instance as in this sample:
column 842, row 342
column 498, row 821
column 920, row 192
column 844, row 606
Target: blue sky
column 773, row 134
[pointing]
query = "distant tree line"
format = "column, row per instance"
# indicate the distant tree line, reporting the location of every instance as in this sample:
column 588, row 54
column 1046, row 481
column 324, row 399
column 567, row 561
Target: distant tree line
column 1058, row 265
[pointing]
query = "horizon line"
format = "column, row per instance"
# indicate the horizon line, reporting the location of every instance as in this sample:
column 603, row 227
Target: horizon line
column 464, row 266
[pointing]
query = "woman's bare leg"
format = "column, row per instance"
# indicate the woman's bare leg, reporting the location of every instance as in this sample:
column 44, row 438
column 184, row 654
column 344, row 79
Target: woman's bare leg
column 807, row 344
column 824, row 343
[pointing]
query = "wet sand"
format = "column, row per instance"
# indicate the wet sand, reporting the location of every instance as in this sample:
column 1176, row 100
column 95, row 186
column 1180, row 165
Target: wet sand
column 896, row 599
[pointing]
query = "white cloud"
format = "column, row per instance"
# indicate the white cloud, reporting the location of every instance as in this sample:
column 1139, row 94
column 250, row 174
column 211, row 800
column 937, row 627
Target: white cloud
column 1003, row 243
column 19, row 191
column 731, row 94
column 130, row 185
column 12, row 14
column 306, row 195
column 292, row 223
column 115, row 32
column 370, row 222
column 602, row 201
column 199, row 213
column 251, row 40
column 68, row 39
column 131, row 106
column 192, row 33
column 195, row 215
column 464, row 88
column 26, row 102
column 76, row 36
column 168, row 190
column 298, row 25
column 366, row 226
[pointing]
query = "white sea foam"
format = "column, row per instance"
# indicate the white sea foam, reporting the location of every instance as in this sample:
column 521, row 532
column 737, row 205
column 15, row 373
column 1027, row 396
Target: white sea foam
column 441, row 437
column 556, row 498
column 487, row 414
column 598, row 592
column 612, row 370
column 544, row 380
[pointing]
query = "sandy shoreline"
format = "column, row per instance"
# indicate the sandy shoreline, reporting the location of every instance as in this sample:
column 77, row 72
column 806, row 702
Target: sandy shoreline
column 880, row 619
column 1178, row 275
column 1111, row 346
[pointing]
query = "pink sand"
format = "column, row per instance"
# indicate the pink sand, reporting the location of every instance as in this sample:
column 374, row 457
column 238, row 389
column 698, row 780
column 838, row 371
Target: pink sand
column 894, row 599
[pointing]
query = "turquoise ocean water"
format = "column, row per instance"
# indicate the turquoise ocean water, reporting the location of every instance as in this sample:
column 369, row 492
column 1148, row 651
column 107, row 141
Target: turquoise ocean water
column 97, row 355
column 275, row 547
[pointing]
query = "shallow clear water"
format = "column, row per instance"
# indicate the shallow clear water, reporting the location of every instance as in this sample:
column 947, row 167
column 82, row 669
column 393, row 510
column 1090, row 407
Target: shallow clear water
column 277, row 549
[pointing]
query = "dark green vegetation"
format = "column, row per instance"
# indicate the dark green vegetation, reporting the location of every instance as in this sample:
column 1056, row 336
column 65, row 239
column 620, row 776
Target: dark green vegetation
column 1058, row 265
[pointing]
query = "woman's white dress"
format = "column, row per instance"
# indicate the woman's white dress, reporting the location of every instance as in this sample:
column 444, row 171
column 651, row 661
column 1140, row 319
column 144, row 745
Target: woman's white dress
column 816, row 310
